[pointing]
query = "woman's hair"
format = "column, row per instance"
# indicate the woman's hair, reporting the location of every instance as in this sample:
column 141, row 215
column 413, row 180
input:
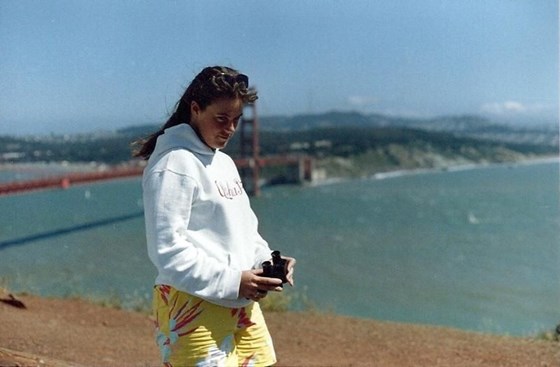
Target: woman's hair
column 211, row 84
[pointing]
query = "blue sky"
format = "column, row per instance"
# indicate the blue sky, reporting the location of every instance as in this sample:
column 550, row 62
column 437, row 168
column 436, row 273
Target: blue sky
column 79, row 66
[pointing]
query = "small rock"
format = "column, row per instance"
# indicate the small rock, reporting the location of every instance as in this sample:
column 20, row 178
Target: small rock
column 13, row 301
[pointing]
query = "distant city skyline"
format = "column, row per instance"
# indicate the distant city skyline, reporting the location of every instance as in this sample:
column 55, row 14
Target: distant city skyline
column 83, row 66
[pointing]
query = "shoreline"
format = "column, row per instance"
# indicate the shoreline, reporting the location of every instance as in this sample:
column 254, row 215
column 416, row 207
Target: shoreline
column 398, row 172
column 466, row 167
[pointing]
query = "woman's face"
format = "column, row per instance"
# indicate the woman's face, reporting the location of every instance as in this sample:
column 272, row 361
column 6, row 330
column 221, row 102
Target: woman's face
column 216, row 124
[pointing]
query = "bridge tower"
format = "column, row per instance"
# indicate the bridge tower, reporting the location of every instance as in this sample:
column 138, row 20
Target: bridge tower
column 249, row 150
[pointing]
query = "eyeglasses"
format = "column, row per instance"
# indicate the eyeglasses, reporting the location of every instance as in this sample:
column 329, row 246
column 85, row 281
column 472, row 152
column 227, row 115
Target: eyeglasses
column 231, row 80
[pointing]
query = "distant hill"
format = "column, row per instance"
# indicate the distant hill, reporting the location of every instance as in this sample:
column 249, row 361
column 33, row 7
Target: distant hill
column 363, row 151
column 465, row 126
column 344, row 143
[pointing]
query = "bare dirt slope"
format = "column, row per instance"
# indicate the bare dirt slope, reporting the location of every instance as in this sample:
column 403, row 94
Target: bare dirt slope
column 72, row 332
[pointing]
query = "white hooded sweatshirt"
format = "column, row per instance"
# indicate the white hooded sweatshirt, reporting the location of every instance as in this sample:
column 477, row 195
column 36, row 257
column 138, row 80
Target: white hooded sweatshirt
column 201, row 231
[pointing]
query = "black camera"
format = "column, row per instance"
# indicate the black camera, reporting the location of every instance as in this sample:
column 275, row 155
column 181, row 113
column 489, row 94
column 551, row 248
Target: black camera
column 277, row 268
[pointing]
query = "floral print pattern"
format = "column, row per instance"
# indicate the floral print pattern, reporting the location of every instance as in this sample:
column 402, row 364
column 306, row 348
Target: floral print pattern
column 242, row 320
column 194, row 332
column 180, row 317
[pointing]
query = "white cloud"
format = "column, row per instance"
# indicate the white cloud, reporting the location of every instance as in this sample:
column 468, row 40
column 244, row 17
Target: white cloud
column 362, row 101
column 515, row 108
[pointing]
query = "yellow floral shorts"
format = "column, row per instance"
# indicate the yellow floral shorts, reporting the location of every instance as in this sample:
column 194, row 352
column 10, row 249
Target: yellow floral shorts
column 193, row 332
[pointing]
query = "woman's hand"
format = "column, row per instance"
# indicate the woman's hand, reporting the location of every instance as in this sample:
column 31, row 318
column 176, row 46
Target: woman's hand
column 290, row 269
column 255, row 287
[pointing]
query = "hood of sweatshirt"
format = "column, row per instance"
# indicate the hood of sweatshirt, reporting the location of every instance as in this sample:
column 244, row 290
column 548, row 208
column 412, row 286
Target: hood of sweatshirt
column 183, row 136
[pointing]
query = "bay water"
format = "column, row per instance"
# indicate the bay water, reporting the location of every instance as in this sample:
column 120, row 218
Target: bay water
column 477, row 249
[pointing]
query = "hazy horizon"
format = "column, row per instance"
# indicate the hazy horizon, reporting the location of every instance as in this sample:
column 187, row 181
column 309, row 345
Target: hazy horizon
column 95, row 129
column 81, row 66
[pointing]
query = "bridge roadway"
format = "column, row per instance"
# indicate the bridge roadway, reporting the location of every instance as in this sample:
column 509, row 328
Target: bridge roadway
column 66, row 180
column 69, row 179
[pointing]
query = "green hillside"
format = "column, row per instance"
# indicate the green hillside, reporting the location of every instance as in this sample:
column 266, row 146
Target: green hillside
column 348, row 144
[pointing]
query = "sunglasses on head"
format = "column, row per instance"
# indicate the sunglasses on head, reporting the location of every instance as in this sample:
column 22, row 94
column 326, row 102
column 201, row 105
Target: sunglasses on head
column 231, row 79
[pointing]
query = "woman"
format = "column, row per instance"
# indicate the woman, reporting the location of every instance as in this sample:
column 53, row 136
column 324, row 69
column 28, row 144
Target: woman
column 202, row 234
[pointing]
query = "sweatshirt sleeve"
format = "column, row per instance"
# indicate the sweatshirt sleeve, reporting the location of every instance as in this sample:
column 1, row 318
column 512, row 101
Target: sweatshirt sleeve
column 168, row 199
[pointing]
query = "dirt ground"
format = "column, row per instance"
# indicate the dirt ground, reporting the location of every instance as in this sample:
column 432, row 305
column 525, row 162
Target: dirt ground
column 72, row 332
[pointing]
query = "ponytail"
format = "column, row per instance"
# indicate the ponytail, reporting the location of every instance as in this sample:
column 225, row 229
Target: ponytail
column 147, row 145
